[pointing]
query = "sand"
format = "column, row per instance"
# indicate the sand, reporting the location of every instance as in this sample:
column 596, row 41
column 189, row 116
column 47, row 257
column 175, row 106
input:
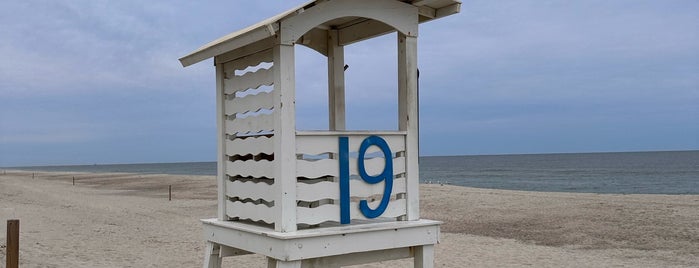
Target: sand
column 126, row 220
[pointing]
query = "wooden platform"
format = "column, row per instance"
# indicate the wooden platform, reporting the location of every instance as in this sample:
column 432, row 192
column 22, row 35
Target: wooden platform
column 323, row 247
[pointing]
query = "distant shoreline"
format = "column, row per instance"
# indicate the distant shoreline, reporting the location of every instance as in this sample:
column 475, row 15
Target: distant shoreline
column 422, row 156
column 661, row 172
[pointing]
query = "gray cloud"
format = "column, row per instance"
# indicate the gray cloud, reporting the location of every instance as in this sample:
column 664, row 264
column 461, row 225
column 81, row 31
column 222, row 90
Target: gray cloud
column 501, row 77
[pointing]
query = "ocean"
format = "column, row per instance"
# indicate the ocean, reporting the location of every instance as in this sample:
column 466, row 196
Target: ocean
column 675, row 172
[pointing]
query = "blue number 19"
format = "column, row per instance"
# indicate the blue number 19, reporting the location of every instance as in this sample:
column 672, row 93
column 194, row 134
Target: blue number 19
column 386, row 176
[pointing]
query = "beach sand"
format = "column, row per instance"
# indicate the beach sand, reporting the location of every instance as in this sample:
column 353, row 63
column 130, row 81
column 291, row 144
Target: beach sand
column 126, row 220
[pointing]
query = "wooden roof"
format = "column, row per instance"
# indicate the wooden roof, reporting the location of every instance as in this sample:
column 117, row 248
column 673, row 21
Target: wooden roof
column 427, row 10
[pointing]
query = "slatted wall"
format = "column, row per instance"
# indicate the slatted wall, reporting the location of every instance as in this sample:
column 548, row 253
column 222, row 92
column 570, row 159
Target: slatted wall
column 249, row 103
column 318, row 188
column 249, row 147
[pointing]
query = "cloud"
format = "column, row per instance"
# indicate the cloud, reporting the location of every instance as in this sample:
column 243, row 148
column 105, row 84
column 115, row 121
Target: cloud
column 501, row 76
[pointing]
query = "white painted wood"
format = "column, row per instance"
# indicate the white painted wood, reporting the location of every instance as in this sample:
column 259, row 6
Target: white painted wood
column 425, row 2
column 288, row 264
column 331, row 190
column 259, row 36
column 246, row 50
column 250, row 168
column 252, row 190
column 250, row 145
column 427, row 12
column 250, row 124
column 271, row 262
column 331, row 167
column 363, row 31
column 250, row 103
column 321, row 242
column 319, row 144
column 350, row 133
column 284, row 170
column 408, row 118
column 331, row 230
column 424, row 256
column 316, row 40
column 234, row 40
column 226, row 251
column 336, row 82
column 331, row 212
column 448, row 10
column 261, row 77
column 244, row 62
column 250, row 211
column 358, row 258
column 220, row 148
column 273, row 40
column 212, row 259
column 399, row 15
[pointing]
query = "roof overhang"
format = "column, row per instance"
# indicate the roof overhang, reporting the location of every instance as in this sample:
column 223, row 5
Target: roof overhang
column 356, row 28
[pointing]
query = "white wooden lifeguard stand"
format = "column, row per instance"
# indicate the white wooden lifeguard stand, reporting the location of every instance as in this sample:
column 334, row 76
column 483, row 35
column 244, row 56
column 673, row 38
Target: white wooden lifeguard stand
column 316, row 198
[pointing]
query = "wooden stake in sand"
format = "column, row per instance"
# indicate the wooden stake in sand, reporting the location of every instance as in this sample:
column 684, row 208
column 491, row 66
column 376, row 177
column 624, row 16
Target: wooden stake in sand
column 169, row 193
column 73, row 180
column 12, row 244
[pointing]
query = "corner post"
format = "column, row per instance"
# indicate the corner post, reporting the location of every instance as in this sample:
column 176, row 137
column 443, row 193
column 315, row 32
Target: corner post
column 407, row 121
column 336, row 82
column 284, row 137
column 221, row 142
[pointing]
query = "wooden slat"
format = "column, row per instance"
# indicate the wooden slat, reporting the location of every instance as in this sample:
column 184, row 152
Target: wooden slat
column 250, row 145
column 427, row 12
column 362, row 31
column 448, row 10
column 246, row 50
column 248, row 80
column 424, row 2
column 331, row 190
column 257, row 169
column 250, row 103
column 331, row 167
column 251, row 124
column 250, row 211
column 247, row 61
column 314, row 145
column 250, row 190
column 331, row 212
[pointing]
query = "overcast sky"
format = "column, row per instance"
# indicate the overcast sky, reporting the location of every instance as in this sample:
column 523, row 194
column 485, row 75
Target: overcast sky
column 92, row 81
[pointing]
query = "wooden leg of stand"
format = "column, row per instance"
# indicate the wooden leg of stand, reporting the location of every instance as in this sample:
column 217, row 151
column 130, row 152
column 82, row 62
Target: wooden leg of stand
column 288, row 264
column 424, row 256
column 274, row 263
column 212, row 259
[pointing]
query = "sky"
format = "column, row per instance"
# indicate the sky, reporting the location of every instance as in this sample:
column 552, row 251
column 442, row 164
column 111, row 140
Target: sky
column 99, row 81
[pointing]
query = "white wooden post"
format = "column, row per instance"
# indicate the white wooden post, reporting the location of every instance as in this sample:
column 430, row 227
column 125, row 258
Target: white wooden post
column 284, row 138
column 424, row 256
column 221, row 137
column 336, row 82
column 212, row 257
column 407, row 121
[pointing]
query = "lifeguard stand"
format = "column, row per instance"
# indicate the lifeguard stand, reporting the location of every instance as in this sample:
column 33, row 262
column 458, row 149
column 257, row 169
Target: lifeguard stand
column 316, row 198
